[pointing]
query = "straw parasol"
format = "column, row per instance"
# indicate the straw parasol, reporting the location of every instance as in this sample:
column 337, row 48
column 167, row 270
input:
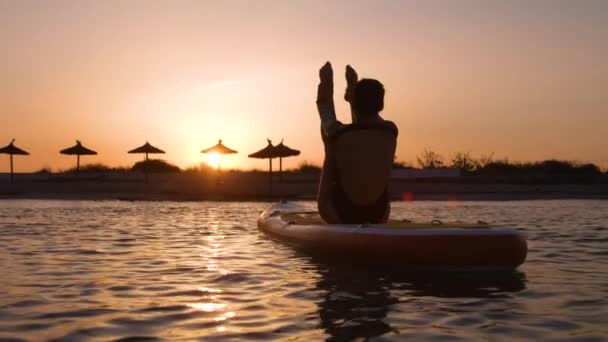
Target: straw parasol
column 267, row 152
column 146, row 149
column 11, row 149
column 283, row 151
column 219, row 148
column 77, row 150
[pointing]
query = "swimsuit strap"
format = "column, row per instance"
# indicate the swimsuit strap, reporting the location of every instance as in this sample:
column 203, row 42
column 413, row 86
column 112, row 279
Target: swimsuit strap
column 382, row 126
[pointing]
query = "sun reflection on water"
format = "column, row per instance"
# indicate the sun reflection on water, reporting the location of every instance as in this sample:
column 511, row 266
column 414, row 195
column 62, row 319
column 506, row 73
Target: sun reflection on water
column 227, row 315
column 207, row 307
column 212, row 248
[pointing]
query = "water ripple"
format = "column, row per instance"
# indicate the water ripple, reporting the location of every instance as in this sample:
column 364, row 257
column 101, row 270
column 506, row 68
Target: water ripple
column 155, row 271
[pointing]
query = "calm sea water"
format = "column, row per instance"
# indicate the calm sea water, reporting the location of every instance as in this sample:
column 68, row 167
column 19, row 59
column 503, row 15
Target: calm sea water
column 130, row 271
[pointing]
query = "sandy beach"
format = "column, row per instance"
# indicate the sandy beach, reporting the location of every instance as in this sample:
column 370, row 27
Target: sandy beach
column 254, row 186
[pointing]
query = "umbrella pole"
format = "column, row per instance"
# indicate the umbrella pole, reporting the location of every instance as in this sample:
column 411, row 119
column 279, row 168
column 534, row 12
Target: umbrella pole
column 146, row 169
column 78, row 163
column 218, row 171
column 280, row 169
column 11, row 167
column 270, row 176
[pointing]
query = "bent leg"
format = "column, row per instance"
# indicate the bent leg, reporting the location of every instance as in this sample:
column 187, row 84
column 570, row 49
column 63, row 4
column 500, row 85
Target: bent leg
column 387, row 212
column 325, row 203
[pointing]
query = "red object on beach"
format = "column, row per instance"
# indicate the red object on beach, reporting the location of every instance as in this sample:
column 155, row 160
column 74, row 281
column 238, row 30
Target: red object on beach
column 408, row 196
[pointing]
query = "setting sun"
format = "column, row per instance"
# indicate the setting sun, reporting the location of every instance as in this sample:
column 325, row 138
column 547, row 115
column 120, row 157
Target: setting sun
column 213, row 159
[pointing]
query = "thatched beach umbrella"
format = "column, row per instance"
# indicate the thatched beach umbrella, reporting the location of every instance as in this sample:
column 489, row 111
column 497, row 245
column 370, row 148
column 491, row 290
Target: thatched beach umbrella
column 11, row 149
column 220, row 149
column 77, row 150
column 147, row 149
column 283, row 151
column 267, row 152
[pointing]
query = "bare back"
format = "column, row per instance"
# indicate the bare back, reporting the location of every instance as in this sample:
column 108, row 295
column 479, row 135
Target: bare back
column 356, row 172
column 364, row 159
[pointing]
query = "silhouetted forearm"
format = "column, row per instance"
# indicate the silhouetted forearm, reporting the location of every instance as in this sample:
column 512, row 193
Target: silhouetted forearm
column 348, row 97
column 325, row 106
column 351, row 82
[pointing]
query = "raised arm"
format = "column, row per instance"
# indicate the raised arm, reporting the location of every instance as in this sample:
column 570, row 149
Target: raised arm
column 325, row 98
column 351, row 81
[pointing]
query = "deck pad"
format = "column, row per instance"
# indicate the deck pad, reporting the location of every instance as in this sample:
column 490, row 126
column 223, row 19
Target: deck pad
column 314, row 219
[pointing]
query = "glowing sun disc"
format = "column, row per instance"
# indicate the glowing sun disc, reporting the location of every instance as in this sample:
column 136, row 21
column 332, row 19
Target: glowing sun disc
column 213, row 159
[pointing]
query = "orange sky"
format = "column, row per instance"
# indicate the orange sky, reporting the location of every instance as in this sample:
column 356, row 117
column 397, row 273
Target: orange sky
column 523, row 80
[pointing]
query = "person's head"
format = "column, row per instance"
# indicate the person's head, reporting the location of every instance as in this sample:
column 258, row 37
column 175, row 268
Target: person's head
column 368, row 97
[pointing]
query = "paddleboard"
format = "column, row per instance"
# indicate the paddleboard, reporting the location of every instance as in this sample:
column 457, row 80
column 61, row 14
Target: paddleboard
column 433, row 244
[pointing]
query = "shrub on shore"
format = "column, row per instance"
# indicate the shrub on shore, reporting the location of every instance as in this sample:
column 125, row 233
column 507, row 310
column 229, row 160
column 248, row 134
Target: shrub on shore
column 544, row 169
column 96, row 168
column 482, row 169
column 44, row 171
column 430, row 160
column 306, row 167
column 202, row 168
column 402, row 165
column 155, row 166
column 486, row 169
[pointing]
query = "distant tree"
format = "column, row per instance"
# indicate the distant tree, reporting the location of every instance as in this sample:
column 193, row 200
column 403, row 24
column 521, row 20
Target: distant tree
column 464, row 161
column 430, row 159
column 548, row 171
column 484, row 160
column 155, row 165
column 554, row 167
column 499, row 168
column 589, row 169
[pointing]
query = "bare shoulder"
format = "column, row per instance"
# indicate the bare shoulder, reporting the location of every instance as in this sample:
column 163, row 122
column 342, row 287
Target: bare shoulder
column 392, row 126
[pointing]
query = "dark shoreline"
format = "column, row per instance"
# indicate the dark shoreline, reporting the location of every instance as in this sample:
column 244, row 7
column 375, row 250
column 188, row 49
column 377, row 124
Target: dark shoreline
column 173, row 197
column 255, row 187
